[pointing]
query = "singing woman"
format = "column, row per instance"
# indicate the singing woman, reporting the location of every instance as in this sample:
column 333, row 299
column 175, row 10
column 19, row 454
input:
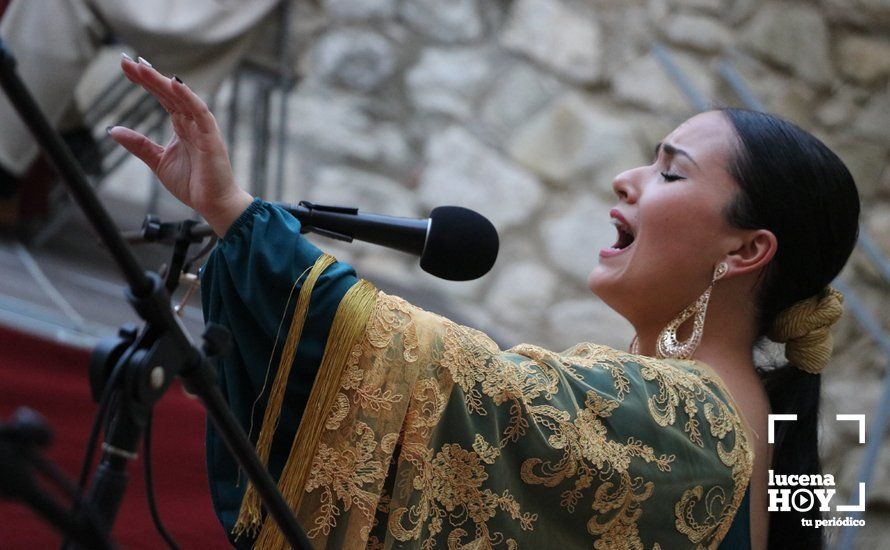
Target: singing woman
column 388, row 426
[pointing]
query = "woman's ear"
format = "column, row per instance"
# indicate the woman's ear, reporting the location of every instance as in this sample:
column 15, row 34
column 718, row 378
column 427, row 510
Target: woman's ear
column 754, row 251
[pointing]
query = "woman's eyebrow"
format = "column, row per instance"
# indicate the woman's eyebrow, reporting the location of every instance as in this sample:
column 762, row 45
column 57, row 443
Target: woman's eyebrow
column 673, row 151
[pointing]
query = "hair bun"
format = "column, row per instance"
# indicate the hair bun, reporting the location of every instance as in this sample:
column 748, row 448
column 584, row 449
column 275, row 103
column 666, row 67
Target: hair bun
column 805, row 328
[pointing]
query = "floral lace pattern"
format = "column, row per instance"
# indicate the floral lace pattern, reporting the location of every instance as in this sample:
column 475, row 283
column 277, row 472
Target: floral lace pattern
column 438, row 439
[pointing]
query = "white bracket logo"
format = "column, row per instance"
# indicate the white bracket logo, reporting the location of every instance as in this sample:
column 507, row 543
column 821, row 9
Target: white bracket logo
column 771, row 436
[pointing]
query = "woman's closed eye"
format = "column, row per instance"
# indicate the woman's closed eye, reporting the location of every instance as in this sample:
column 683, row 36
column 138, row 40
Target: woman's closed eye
column 668, row 176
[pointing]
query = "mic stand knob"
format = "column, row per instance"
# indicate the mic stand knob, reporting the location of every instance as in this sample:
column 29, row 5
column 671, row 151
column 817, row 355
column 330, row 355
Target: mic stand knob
column 151, row 228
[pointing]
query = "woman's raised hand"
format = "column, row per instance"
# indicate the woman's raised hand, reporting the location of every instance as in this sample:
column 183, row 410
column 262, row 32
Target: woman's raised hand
column 194, row 166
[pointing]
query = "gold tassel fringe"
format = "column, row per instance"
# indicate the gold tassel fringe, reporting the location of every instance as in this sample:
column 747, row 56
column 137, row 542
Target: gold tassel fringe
column 349, row 325
column 249, row 515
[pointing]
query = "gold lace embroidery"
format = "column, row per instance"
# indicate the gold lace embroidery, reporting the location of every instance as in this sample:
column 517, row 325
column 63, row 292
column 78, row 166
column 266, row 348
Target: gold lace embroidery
column 438, row 439
column 341, row 475
column 712, row 510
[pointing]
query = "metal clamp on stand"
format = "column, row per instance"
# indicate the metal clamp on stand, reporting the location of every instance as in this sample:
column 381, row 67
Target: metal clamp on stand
column 306, row 212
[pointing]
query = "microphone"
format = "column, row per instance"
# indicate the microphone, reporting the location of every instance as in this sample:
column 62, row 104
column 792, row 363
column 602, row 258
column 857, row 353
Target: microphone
column 454, row 243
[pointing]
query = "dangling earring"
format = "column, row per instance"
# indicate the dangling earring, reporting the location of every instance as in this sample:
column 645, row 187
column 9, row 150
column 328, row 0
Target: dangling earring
column 667, row 344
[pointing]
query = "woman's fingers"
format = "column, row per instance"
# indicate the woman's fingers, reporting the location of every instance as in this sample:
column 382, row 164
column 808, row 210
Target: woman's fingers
column 152, row 81
column 145, row 149
column 189, row 103
column 174, row 96
column 182, row 125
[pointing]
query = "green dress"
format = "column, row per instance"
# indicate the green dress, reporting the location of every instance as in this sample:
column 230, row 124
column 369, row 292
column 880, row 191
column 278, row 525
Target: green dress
column 423, row 433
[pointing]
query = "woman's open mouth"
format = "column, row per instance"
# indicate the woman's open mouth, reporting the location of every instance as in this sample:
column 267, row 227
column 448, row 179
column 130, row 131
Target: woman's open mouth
column 625, row 239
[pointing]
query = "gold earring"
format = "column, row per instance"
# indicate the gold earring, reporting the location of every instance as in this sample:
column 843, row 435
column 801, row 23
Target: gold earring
column 668, row 345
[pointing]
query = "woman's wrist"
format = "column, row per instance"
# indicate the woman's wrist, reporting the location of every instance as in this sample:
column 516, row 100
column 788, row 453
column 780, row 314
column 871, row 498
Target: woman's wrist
column 224, row 211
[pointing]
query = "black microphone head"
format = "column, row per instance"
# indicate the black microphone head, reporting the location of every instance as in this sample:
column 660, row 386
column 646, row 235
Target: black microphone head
column 461, row 244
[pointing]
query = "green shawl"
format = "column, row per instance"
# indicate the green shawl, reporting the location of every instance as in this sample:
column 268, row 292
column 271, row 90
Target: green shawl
column 421, row 433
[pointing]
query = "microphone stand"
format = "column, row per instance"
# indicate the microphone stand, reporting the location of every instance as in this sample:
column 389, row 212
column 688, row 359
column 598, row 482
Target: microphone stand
column 21, row 440
column 145, row 363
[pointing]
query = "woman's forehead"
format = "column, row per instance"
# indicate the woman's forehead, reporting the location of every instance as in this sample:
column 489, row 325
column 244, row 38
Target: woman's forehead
column 706, row 137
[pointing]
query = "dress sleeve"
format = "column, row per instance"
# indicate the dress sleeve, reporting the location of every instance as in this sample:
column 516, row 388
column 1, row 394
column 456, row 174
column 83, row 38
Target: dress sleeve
column 250, row 285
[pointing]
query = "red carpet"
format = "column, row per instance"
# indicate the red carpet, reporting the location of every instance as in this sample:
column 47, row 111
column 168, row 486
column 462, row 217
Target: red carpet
column 52, row 380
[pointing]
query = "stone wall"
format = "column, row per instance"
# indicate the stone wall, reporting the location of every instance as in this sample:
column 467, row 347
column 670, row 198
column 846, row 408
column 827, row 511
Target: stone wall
column 525, row 110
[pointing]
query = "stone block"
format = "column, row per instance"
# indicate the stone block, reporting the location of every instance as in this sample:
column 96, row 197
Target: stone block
column 522, row 291
column 587, row 320
column 448, row 81
column 793, row 36
column 864, row 13
column 337, row 125
column 573, row 232
column 463, row 171
column 645, row 83
column 863, row 59
column 572, row 137
column 451, row 21
column 354, row 58
column 515, row 97
column 698, row 32
column 873, row 120
column 360, row 9
column 555, row 36
column 370, row 192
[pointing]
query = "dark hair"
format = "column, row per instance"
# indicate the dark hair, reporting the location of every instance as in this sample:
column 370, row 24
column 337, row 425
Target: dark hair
column 794, row 186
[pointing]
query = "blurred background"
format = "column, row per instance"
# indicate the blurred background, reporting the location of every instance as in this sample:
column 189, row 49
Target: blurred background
column 523, row 110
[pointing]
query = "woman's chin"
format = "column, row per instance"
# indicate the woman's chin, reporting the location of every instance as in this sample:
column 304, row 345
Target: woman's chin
column 600, row 279
column 611, row 269
column 606, row 282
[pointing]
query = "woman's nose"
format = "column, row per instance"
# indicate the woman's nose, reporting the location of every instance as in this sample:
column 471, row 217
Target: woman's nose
column 625, row 187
